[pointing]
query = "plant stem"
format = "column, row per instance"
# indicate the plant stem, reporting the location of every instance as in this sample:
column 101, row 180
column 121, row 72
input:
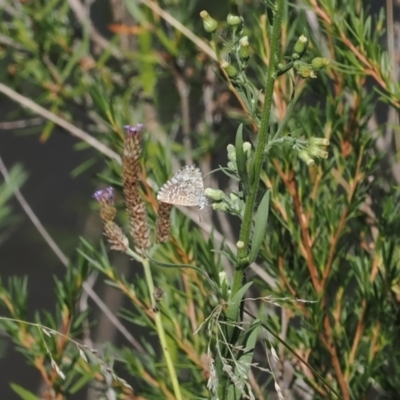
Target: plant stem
column 259, row 151
column 242, row 262
column 160, row 328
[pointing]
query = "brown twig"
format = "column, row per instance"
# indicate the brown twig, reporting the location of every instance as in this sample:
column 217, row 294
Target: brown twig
column 326, row 338
column 306, row 244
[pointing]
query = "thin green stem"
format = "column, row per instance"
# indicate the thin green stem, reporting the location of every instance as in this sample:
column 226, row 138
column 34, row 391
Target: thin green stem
column 259, row 152
column 285, row 69
column 160, row 328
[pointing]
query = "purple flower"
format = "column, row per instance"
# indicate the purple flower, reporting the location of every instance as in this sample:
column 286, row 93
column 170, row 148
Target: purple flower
column 133, row 130
column 105, row 195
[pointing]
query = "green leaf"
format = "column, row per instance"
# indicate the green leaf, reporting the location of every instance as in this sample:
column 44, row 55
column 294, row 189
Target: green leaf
column 23, row 393
column 227, row 253
column 260, row 228
column 241, row 157
column 234, row 304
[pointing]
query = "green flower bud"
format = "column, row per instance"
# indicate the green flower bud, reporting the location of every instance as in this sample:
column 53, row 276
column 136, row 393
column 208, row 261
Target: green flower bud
column 303, row 155
column 214, row 194
column 232, row 165
column 247, row 149
column 223, row 279
column 319, row 63
column 232, row 156
column 235, row 199
column 300, row 47
column 229, row 69
column 244, row 48
column 220, row 207
column 209, row 24
column 233, row 20
column 304, row 70
column 231, row 152
column 316, row 147
column 224, row 283
column 240, row 245
column 316, row 151
column 317, row 141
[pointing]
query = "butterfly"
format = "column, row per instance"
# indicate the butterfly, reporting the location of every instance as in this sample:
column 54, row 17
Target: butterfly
column 185, row 188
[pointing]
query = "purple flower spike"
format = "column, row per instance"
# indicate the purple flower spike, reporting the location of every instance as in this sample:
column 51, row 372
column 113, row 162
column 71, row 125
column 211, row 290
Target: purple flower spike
column 133, row 130
column 105, row 195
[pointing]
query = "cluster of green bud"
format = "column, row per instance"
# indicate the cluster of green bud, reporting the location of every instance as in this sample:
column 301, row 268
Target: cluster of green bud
column 221, row 202
column 315, row 148
column 306, row 70
column 210, row 24
column 238, row 48
column 243, row 57
column 232, row 155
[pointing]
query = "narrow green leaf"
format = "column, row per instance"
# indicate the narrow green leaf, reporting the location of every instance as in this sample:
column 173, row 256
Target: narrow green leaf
column 260, row 228
column 227, row 253
column 234, row 303
column 241, row 157
column 23, row 393
column 249, row 344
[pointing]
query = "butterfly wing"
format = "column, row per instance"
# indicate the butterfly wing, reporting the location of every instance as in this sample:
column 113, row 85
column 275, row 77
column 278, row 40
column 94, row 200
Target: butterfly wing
column 185, row 188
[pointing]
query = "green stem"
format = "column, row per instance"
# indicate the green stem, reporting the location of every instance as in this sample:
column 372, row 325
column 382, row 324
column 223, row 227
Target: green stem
column 259, row 152
column 160, row 328
column 285, row 69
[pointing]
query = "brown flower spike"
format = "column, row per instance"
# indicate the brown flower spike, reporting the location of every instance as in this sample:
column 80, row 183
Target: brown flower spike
column 114, row 233
column 139, row 227
column 163, row 223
